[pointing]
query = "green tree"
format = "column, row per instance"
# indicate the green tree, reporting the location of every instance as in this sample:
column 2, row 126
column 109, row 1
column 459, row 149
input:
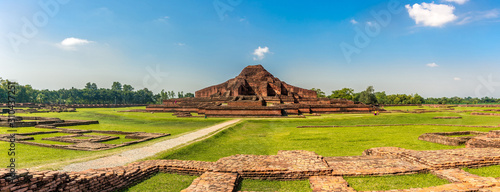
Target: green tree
column 417, row 99
column 344, row 93
column 171, row 94
column 319, row 92
column 117, row 86
column 164, row 95
column 368, row 96
column 381, row 97
column 189, row 95
column 127, row 87
column 40, row 98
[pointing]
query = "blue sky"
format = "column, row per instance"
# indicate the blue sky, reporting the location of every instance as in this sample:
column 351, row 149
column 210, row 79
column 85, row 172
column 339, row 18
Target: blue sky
column 434, row 48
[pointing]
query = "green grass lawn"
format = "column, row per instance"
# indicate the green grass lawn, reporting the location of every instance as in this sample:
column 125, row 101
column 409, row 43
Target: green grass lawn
column 265, row 185
column 163, row 182
column 409, row 108
column 268, row 136
column 109, row 119
column 491, row 171
column 38, row 138
column 121, row 139
column 394, row 182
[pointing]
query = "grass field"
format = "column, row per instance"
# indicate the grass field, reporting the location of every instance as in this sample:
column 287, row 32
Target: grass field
column 267, row 137
column 109, row 119
column 163, row 182
column 281, row 186
column 491, row 171
column 394, row 182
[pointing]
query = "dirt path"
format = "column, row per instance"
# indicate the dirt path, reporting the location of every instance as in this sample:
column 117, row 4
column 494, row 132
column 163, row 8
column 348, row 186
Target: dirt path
column 143, row 152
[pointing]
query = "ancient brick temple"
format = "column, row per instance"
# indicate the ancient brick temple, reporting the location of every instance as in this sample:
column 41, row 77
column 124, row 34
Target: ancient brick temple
column 256, row 92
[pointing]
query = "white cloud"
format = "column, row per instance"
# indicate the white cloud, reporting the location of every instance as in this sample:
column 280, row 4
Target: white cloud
column 180, row 44
column 260, row 52
column 457, row 78
column 71, row 43
column 461, row 2
column 432, row 65
column 430, row 14
column 478, row 16
column 162, row 19
column 353, row 21
column 74, row 41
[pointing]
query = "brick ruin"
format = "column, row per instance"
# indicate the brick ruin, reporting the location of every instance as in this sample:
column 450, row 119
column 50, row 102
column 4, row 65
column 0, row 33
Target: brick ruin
column 256, row 92
column 491, row 139
column 75, row 142
column 471, row 139
column 445, row 139
column 324, row 173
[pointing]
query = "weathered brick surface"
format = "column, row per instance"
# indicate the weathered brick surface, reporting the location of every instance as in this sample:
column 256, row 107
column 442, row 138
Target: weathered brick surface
column 213, row 181
column 254, row 80
column 447, row 117
column 492, row 139
column 287, row 165
column 443, row 137
column 368, row 165
column 490, row 114
column 490, row 189
column 329, row 184
column 224, row 174
column 73, row 139
column 442, row 159
column 460, row 176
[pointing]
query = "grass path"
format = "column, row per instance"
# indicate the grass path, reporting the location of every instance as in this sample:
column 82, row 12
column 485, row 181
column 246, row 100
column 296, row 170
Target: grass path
column 144, row 152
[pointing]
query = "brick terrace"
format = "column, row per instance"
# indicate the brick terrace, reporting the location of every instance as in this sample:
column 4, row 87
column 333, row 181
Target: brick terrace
column 324, row 173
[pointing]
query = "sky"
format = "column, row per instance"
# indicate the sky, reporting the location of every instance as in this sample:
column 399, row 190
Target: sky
column 440, row 48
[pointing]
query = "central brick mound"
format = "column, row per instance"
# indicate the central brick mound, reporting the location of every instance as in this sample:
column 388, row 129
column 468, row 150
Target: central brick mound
column 257, row 93
column 324, row 173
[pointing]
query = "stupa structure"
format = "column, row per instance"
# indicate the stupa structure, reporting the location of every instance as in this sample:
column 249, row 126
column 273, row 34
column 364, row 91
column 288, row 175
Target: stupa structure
column 256, row 92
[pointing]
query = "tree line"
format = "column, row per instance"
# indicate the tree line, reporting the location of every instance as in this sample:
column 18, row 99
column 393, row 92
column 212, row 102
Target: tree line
column 91, row 94
column 126, row 94
column 369, row 96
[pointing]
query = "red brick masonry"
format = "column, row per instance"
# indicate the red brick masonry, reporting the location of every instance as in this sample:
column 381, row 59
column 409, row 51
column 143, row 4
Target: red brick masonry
column 324, row 172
